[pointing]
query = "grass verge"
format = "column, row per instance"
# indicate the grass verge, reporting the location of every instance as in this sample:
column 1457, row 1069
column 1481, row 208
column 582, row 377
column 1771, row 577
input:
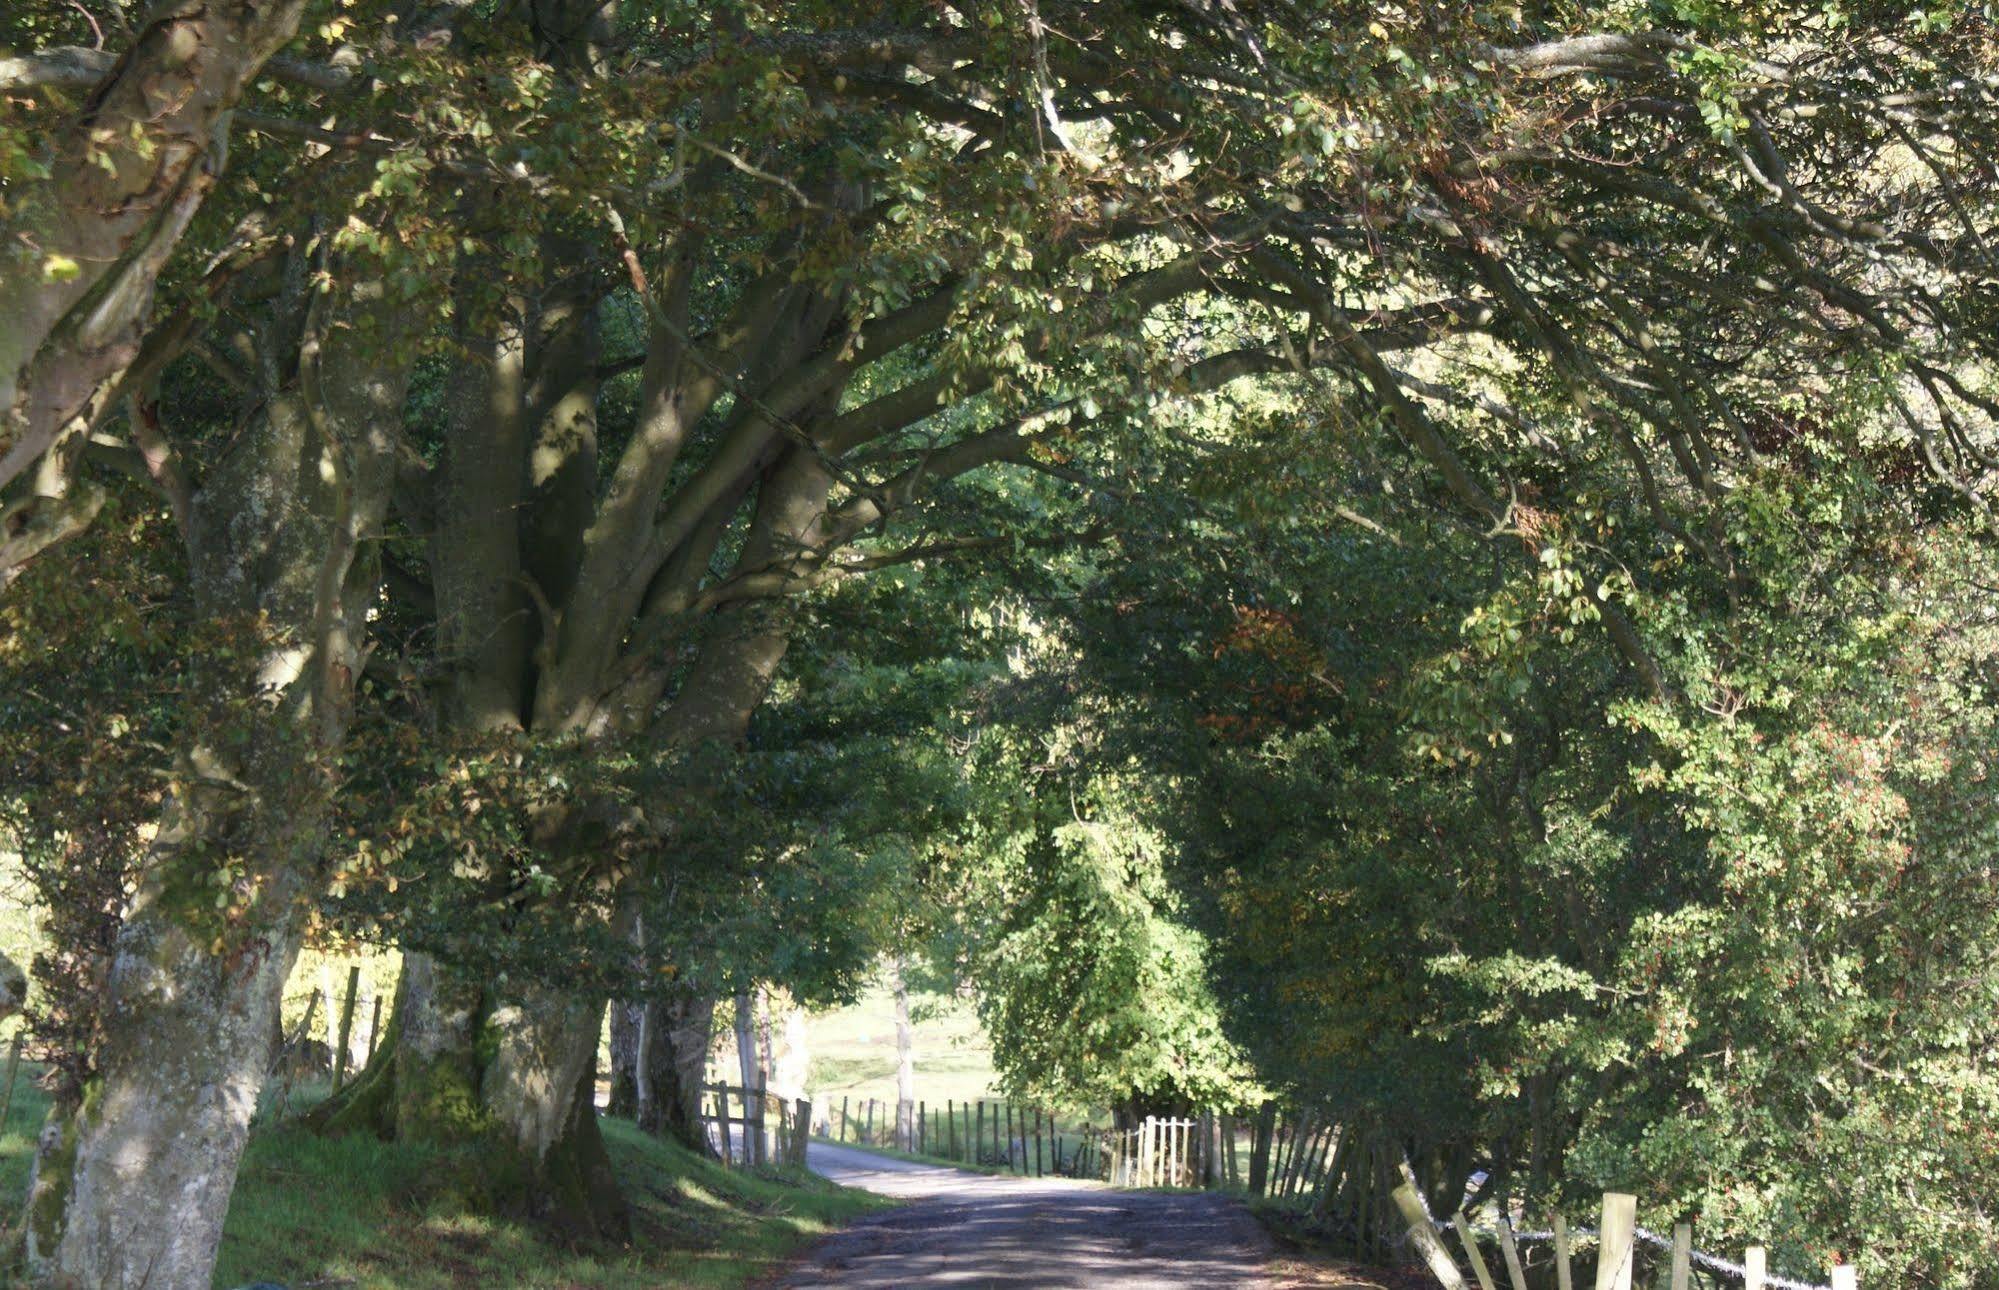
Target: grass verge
column 352, row 1213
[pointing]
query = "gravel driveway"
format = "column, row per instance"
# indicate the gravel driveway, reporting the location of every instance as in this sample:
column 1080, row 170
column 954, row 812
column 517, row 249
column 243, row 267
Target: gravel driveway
column 969, row 1230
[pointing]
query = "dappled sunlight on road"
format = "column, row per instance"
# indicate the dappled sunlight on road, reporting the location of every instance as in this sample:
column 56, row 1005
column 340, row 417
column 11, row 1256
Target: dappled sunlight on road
column 966, row 1229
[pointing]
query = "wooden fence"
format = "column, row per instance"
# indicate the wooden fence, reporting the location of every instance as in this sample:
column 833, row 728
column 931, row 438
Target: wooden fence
column 1619, row 1241
column 1270, row 1150
column 749, row 1137
column 1160, row 1152
column 1027, row 1140
column 1306, row 1156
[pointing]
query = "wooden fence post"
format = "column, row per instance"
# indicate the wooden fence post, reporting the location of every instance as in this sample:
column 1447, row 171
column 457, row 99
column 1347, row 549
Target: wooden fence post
column 1470, row 1240
column 1616, row 1238
column 375, row 1028
column 845, row 1132
column 346, row 1033
column 1564, row 1276
column 1037, row 1141
column 1424, row 1238
column 1755, row 1267
column 1511, row 1253
column 1683, row 1255
column 722, row 1123
column 801, row 1132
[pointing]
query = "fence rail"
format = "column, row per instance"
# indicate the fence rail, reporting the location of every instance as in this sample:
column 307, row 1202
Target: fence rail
column 752, row 1136
column 1618, row 1237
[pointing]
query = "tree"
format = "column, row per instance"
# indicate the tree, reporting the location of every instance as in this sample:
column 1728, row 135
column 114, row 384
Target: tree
column 1474, row 891
column 1090, row 983
column 278, row 587
column 102, row 193
column 1585, row 251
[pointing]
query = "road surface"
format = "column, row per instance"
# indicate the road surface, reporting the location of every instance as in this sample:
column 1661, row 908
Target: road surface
column 968, row 1230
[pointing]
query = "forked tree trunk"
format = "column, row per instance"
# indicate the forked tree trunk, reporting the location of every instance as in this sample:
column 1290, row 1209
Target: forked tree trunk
column 131, row 1186
column 520, row 1093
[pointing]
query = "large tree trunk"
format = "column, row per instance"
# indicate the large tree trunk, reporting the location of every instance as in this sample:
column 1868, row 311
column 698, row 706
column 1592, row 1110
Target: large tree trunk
column 539, row 1092
column 132, row 1189
column 513, row 1070
column 132, row 1185
column 522, row 1095
column 677, row 1033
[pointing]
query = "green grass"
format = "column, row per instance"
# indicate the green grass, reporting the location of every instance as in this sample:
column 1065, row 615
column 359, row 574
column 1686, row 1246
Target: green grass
column 17, row 1144
column 352, row 1212
column 853, row 1052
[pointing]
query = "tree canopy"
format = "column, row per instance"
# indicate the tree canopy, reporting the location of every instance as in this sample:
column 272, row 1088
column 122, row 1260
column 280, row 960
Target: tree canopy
column 1428, row 560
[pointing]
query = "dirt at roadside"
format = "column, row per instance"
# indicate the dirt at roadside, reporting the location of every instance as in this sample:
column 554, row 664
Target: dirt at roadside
column 1291, row 1272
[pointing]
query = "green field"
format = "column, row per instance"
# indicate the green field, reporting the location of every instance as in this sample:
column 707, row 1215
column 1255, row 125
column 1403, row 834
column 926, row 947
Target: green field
column 853, row 1051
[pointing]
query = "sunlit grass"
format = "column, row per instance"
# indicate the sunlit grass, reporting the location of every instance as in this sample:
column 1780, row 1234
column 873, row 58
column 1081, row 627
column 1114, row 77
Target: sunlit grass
column 356, row 1211
column 854, row 1055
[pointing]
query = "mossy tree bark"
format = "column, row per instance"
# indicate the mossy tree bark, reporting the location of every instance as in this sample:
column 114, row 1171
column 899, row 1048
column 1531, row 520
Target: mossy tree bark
column 132, row 1184
column 511, row 1081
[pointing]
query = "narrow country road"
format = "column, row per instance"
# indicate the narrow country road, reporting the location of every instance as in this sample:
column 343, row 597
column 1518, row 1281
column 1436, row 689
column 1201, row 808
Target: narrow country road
column 970, row 1230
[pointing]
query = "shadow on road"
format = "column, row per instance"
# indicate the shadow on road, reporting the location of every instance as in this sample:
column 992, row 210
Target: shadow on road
column 963, row 1229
